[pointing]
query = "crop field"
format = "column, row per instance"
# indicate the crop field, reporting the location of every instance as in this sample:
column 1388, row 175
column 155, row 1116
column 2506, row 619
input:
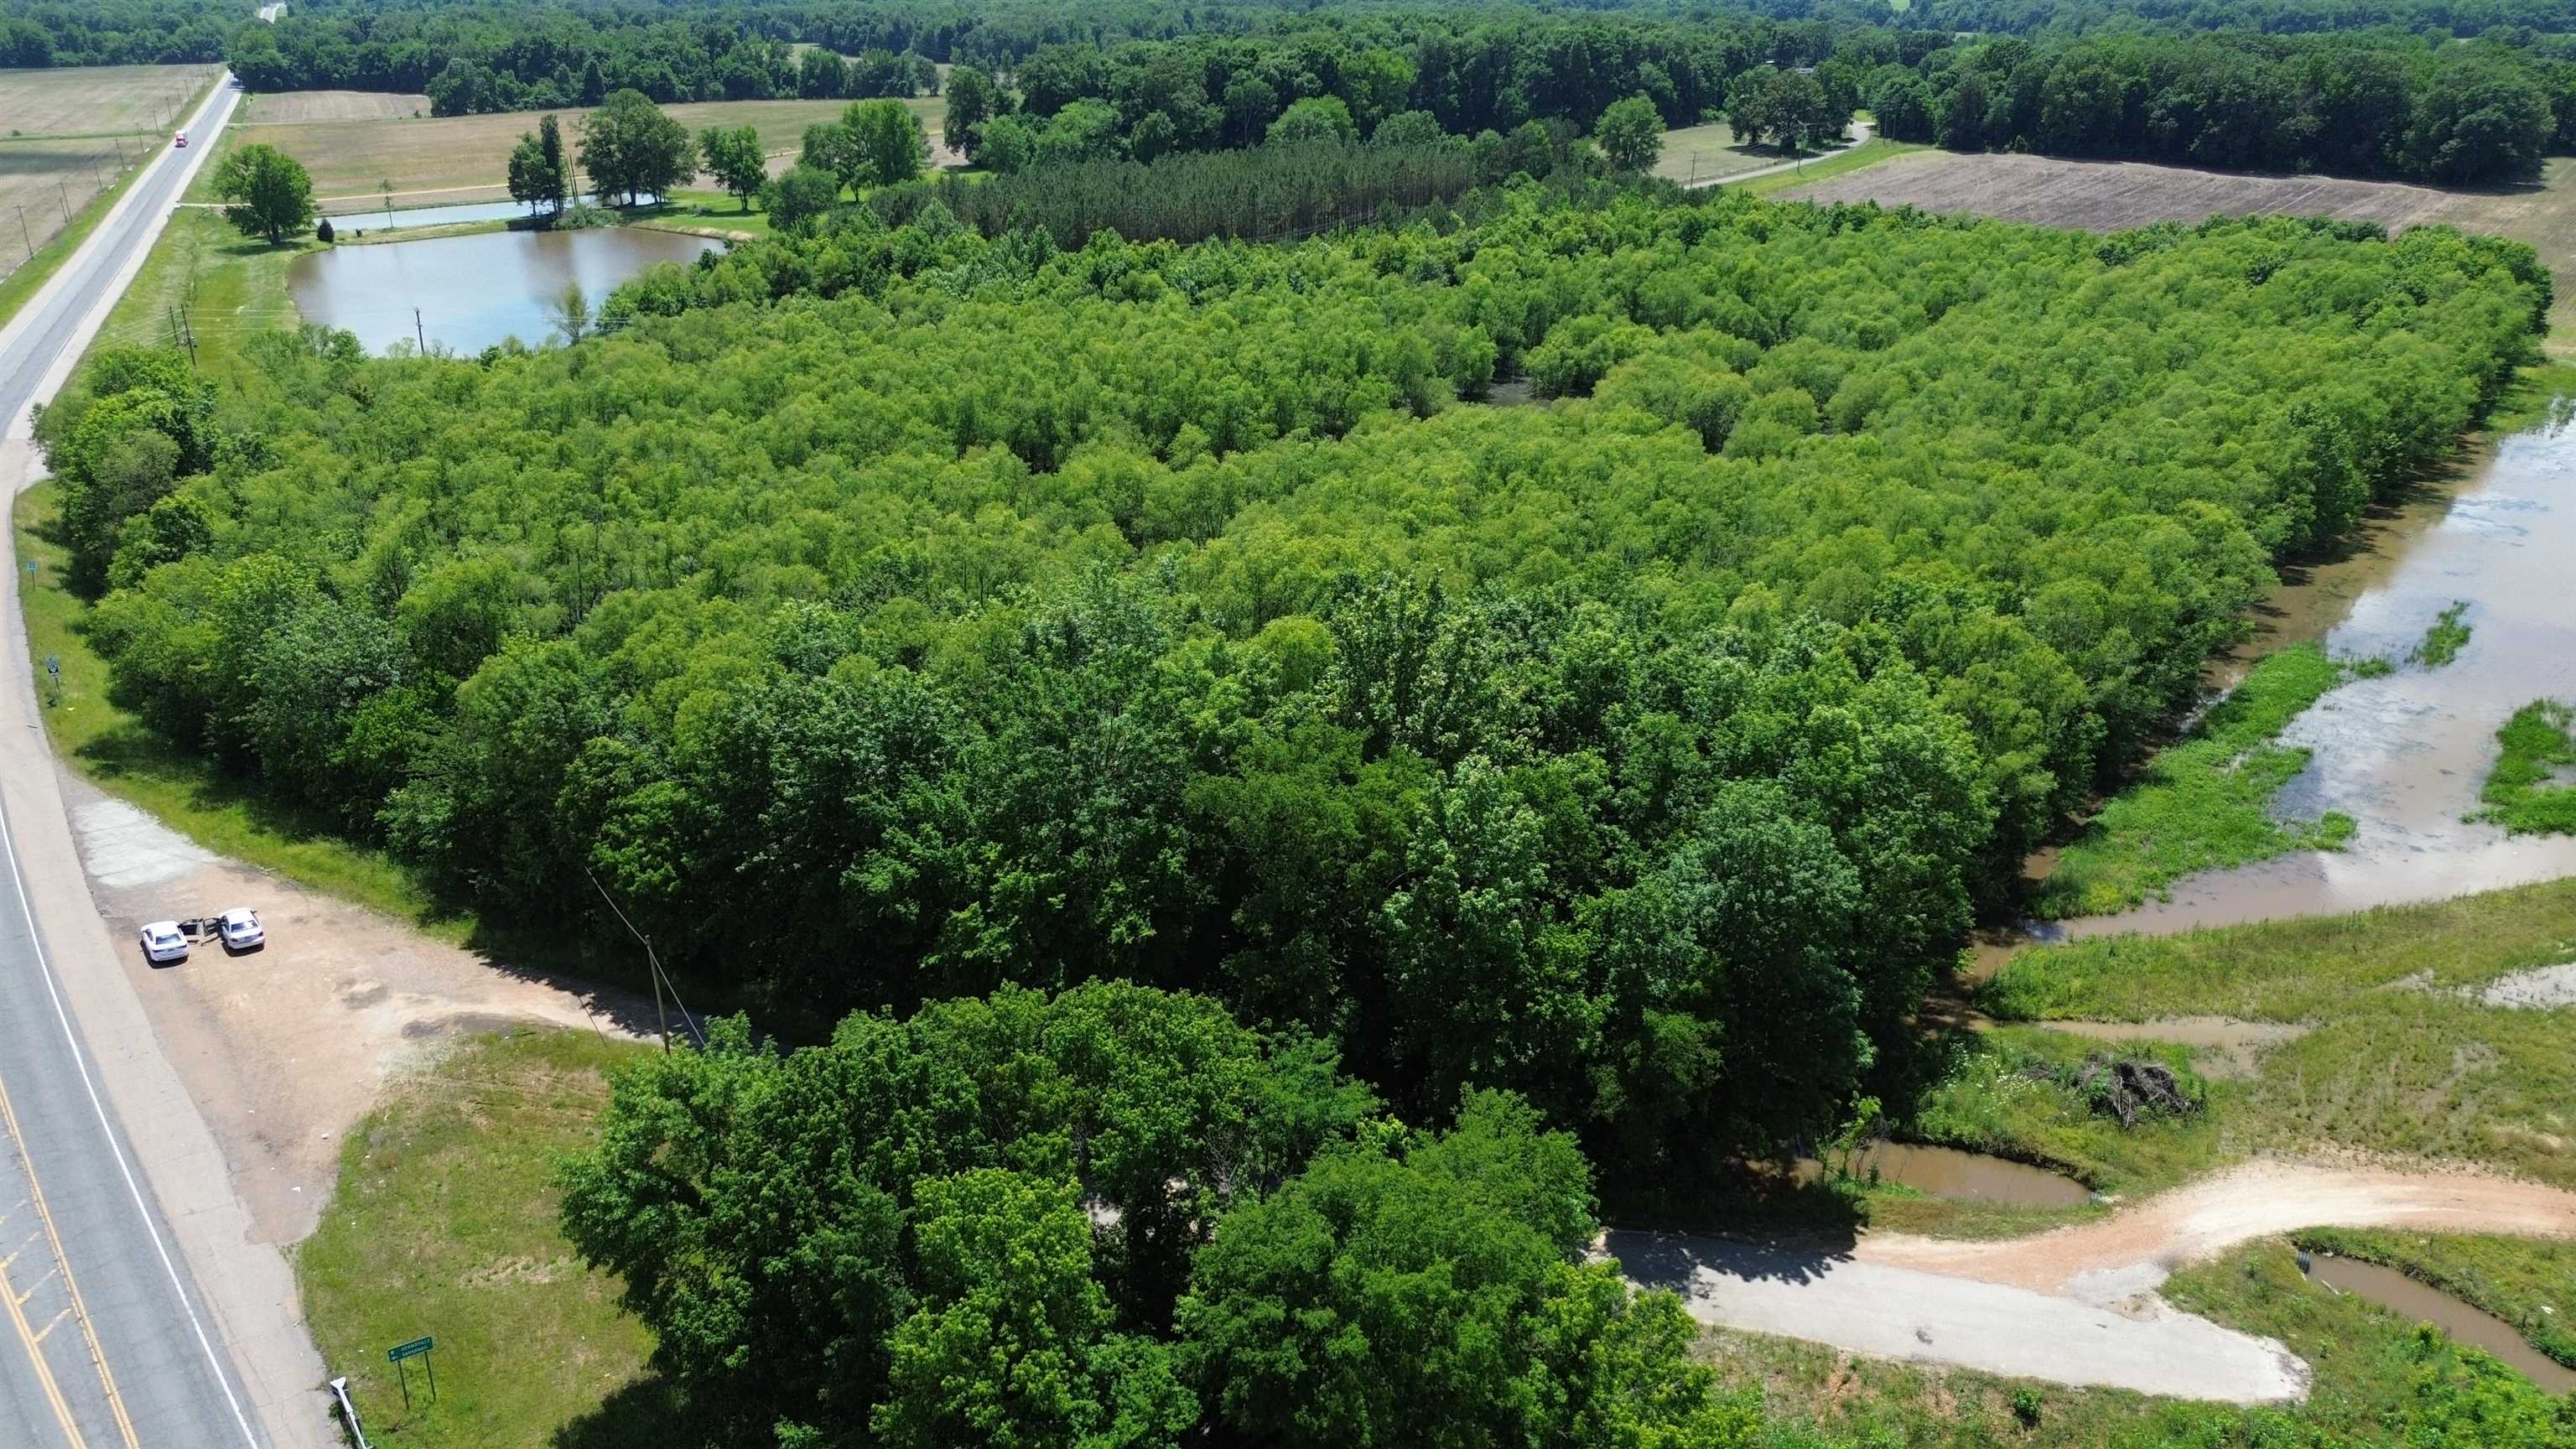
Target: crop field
column 1699, row 152
column 292, row 108
column 444, row 159
column 2110, row 196
column 96, row 100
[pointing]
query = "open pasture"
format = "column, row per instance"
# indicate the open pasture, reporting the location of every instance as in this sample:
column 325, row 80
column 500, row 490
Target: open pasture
column 2108, row 196
column 1700, row 152
column 295, row 108
column 96, row 100
column 443, row 159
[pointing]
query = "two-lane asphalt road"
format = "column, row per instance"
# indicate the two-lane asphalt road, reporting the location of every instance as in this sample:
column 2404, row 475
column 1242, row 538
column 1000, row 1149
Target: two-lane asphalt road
column 105, row 1340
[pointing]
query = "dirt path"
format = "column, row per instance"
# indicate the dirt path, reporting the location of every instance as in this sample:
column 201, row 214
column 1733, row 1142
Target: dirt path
column 287, row 1047
column 1861, row 132
column 2079, row 1305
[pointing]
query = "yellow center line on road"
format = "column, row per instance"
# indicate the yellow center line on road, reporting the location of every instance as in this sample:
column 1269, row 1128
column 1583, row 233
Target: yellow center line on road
column 44, row 1371
column 71, row 1285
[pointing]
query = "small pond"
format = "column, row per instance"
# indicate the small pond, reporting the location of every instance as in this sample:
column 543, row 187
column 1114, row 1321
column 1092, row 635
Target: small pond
column 407, row 217
column 473, row 291
column 2394, row 1290
column 1946, row 1172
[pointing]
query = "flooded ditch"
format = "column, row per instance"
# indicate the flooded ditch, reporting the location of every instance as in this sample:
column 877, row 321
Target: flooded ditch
column 2394, row 1290
column 2405, row 754
column 1947, row 1172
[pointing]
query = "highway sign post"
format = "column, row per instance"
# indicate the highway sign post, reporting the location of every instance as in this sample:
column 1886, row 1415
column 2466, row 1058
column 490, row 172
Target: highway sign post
column 349, row 1411
column 401, row 1353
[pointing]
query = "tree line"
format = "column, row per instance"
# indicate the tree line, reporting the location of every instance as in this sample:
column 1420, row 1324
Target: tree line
column 2347, row 105
column 1159, row 612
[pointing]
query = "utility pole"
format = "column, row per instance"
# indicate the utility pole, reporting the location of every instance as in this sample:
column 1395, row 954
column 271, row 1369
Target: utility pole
column 419, row 334
column 66, row 193
column 25, row 235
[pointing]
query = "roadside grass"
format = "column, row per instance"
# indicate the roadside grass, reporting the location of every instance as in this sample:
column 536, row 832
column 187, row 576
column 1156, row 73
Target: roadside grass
column 2399, row 1061
column 1859, row 158
column 2379, row 1381
column 443, row 1224
column 2204, row 803
column 225, row 285
column 113, row 750
column 2528, row 1282
column 2010, row 1092
column 2443, row 641
column 2531, row 790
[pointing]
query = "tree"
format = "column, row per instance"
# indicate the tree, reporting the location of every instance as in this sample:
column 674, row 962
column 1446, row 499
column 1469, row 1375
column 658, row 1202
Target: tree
column 799, row 196
column 1630, row 134
column 323, row 233
column 570, row 310
column 821, row 75
column 887, row 138
column 1315, row 118
column 267, row 191
column 558, row 166
column 732, row 155
column 972, row 100
column 628, row 145
column 1408, row 128
column 1006, row 145
column 533, row 179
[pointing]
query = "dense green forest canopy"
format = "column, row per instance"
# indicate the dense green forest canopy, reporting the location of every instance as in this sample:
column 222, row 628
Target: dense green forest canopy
column 884, row 615
column 40, row 33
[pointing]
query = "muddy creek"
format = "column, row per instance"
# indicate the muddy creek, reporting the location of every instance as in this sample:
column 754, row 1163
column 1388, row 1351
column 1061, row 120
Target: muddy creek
column 2394, row 1290
column 1947, row 1172
column 2406, row 754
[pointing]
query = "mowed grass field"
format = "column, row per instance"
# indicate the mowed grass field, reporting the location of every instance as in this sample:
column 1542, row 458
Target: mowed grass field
column 350, row 141
column 1700, row 152
column 97, row 100
column 2110, row 196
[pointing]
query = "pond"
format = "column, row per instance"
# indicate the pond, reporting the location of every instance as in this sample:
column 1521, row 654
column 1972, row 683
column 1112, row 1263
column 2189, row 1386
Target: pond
column 1947, row 1172
column 2394, row 1290
column 473, row 291
column 353, row 223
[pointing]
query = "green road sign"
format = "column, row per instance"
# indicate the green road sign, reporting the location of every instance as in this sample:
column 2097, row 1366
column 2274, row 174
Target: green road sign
column 413, row 1349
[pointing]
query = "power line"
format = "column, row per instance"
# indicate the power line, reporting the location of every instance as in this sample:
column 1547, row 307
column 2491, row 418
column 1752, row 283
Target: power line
column 660, row 979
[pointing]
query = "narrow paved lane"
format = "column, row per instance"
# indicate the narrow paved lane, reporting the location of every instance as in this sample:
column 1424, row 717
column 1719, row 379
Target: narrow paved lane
column 105, row 1341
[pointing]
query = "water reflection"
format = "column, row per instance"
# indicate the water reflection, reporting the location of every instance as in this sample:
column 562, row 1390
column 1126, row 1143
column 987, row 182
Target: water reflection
column 472, row 291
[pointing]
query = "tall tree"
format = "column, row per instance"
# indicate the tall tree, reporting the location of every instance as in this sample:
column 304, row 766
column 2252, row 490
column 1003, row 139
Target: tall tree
column 971, row 102
column 267, row 192
column 888, row 139
column 534, row 180
column 550, row 146
column 732, row 155
column 1631, row 134
column 628, row 145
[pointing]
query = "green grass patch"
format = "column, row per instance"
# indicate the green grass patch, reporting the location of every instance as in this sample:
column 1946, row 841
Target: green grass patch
column 225, row 285
column 2542, row 394
column 2530, row 790
column 2379, row 1381
column 701, row 213
column 2400, row 1060
column 444, row 1224
column 2528, row 1282
column 2443, row 642
column 2013, row 1092
column 2204, row 803
column 1868, row 153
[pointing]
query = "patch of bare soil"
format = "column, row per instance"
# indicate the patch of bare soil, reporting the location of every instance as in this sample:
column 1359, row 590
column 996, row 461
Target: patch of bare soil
column 286, row 1047
column 2538, row 989
column 2115, row 1258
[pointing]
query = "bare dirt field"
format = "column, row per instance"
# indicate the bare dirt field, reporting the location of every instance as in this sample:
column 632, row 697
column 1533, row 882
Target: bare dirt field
column 1699, row 152
column 96, row 99
column 2115, row 195
column 466, row 158
column 290, row 108
column 285, row 1048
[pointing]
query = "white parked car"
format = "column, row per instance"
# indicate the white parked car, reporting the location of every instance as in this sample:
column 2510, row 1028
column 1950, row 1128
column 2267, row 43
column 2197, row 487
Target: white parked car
column 162, row 943
column 240, row 929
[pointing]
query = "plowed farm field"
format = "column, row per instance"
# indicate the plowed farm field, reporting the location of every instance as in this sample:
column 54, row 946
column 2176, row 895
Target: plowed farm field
column 2108, row 196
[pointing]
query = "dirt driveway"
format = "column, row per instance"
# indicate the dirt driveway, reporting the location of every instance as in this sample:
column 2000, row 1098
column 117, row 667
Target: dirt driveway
column 285, row 1048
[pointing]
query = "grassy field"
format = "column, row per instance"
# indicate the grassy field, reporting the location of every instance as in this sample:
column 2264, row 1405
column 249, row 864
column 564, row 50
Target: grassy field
column 31, row 253
column 98, row 100
column 349, row 148
column 1865, row 156
column 443, row 1224
column 289, row 108
column 2399, row 1061
column 1700, row 152
column 2115, row 195
column 224, row 284
column 2378, row 1381
column 2205, row 803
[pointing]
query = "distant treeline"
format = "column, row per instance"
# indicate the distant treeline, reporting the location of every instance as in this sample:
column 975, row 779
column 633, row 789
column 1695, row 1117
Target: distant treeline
column 111, row 32
column 2348, row 104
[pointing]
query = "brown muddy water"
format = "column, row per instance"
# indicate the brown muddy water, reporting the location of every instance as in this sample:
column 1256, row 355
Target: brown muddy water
column 2394, row 1290
column 473, row 291
column 2406, row 754
column 1947, row 1172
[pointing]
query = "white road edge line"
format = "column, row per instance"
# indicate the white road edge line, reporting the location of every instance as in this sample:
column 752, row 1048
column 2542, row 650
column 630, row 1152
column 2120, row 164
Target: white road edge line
column 8, row 842
column 142, row 1205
